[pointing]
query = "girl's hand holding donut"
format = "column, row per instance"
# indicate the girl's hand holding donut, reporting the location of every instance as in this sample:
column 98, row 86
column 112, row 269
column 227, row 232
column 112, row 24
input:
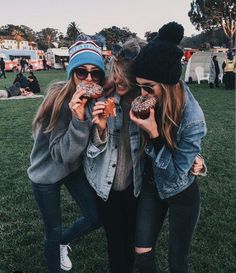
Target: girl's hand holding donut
column 77, row 105
column 149, row 125
column 98, row 118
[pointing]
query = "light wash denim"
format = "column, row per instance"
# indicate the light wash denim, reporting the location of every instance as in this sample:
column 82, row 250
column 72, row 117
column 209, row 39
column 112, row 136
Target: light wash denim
column 100, row 162
column 171, row 168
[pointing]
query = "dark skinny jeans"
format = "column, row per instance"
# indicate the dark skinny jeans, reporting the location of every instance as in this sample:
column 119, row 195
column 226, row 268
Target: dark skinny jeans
column 118, row 216
column 47, row 197
column 183, row 215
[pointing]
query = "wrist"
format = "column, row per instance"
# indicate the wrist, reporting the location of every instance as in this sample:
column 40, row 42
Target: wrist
column 154, row 134
column 101, row 131
column 79, row 117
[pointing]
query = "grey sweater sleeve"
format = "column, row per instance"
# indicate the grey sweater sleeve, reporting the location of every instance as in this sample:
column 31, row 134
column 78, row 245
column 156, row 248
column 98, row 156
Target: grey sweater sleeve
column 69, row 138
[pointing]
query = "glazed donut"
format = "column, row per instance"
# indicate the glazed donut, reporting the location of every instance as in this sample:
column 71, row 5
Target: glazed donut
column 110, row 108
column 93, row 90
column 141, row 106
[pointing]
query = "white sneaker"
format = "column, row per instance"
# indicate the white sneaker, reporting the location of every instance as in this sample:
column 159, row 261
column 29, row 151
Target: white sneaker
column 65, row 260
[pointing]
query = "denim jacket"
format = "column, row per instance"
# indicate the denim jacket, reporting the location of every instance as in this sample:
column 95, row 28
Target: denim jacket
column 172, row 168
column 100, row 162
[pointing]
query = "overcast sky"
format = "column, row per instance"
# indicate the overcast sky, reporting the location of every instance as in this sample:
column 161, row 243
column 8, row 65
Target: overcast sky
column 92, row 16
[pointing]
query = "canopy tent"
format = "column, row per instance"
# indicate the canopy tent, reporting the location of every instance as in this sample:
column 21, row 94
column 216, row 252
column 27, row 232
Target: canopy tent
column 203, row 59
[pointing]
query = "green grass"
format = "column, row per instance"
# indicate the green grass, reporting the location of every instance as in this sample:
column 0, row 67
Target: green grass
column 44, row 77
column 214, row 244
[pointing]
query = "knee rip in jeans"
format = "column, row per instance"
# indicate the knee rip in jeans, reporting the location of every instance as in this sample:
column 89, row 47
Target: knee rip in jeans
column 142, row 250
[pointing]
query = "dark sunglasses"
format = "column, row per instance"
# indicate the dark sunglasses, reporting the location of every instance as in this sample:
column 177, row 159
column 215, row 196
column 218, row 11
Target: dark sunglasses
column 96, row 74
column 148, row 88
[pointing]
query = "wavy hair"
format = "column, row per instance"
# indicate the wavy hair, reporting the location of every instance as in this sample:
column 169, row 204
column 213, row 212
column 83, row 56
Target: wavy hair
column 56, row 94
column 122, row 63
column 169, row 112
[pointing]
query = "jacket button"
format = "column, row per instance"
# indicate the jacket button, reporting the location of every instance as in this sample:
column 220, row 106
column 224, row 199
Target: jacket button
column 109, row 182
column 113, row 165
column 116, row 146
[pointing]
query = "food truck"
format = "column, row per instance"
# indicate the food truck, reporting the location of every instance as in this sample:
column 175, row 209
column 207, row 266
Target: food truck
column 12, row 58
column 57, row 58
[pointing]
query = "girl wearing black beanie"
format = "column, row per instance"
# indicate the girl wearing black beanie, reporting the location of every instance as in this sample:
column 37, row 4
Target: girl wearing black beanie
column 174, row 132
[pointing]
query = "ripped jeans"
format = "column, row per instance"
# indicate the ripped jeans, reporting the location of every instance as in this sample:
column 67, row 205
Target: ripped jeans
column 183, row 215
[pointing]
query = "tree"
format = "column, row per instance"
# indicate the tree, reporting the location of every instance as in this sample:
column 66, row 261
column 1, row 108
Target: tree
column 17, row 34
column 114, row 35
column 73, row 31
column 217, row 38
column 149, row 35
column 211, row 15
column 46, row 37
column 26, row 32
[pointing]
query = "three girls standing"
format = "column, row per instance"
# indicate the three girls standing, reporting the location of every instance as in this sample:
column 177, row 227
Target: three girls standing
column 114, row 163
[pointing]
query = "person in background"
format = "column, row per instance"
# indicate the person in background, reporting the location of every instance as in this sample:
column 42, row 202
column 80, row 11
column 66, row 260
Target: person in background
column 174, row 130
column 30, row 67
column 33, row 84
column 61, row 130
column 22, row 80
column 229, row 66
column 214, row 72
column 2, row 68
column 44, row 63
column 12, row 91
column 23, row 65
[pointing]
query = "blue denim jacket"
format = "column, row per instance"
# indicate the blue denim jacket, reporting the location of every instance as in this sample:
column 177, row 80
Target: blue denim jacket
column 172, row 168
column 100, row 162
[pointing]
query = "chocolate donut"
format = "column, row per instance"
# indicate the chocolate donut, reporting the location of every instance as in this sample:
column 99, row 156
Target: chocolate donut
column 93, row 90
column 141, row 106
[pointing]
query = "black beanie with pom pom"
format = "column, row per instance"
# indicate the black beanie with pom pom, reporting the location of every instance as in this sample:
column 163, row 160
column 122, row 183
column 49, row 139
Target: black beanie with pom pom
column 160, row 59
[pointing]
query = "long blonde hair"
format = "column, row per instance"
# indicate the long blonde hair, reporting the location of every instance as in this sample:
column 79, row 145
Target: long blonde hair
column 57, row 93
column 170, row 111
column 123, row 69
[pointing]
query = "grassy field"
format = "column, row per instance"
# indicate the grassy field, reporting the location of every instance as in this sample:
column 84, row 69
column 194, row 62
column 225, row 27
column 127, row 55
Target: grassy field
column 214, row 244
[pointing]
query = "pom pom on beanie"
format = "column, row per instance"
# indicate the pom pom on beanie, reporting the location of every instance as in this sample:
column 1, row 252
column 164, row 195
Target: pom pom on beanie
column 160, row 59
column 172, row 32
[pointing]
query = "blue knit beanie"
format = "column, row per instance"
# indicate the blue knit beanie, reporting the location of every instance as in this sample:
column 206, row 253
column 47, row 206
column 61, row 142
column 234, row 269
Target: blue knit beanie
column 84, row 52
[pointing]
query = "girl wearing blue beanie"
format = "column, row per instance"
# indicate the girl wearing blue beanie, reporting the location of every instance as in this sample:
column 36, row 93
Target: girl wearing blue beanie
column 61, row 131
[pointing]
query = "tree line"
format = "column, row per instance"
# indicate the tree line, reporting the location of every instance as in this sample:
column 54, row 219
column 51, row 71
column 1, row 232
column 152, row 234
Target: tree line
column 216, row 20
column 51, row 37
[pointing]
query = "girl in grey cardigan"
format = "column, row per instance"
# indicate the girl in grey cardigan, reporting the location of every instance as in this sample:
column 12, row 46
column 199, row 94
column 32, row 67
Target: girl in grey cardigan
column 61, row 131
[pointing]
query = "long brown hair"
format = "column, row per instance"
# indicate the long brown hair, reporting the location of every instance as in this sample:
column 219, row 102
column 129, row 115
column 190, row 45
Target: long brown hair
column 51, row 105
column 169, row 111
